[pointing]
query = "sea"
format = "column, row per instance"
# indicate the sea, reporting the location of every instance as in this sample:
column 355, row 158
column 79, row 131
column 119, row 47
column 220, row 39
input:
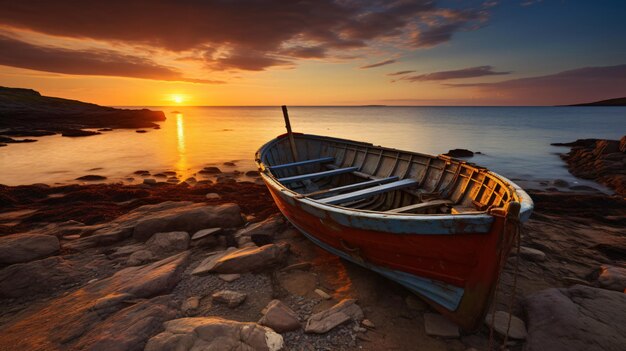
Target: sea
column 513, row 141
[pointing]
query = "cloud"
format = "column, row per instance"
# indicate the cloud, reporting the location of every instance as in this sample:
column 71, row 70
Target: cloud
column 270, row 32
column 378, row 64
column 21, row 54
column 567, row 87
column 399, row 73
column 471, row 72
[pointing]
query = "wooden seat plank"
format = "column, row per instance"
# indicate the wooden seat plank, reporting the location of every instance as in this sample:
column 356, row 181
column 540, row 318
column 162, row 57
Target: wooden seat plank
column 421, row 206
column 360, row 194
column 351, row 187
column 302, row 163
column 308, row 176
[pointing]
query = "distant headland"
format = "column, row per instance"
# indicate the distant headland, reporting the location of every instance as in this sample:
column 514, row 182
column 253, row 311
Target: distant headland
column 25, row 112
column 610, row 102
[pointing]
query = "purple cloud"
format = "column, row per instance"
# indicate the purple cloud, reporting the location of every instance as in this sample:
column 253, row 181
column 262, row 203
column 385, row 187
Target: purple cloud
column 471, row 72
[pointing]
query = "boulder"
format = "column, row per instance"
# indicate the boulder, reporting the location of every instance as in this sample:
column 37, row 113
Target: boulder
column 243, row 260
column 214, row 333
column 268, row 227
column 19, row 248
column 577, row 318
column 229, row 297
column 279, row 317
column 131, row 327
column 612, row 278
column 70, row 320
column 437, row 325
column 517, row 329
column 149, row 181
column 210, row 170
column 340, row 313
column 162, row 244
column 459, row 153
column 140, row 257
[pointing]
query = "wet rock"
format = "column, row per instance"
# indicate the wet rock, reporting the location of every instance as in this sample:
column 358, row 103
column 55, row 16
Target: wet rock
column 191, row 180
column 142, row 172
column 162, row 244
column 160, row 175
column 577, row 318
column 77, row 133
column 140, row 257
column 438, row 325
column 531, row 254
column 105, row 129
column 67, row 321
column 279, row 317
column 229, row 297
column 19, row 248
column 230, row 164
column 229, row 277
column 131, row 327
column 517, row 330
column 213, row 333
column 141, row 131
column 150, row 181
column 243, row 260
column 612, row 278
column 213, row 196
column 252, row 173
column 340, row 313
column 210, row 170
column 225, row 179
column 205, row 232
column 560, row 183
column 459, row 153
column 91, row 178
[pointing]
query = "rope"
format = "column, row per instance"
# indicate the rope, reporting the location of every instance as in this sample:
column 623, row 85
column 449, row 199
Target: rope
column 517, row 231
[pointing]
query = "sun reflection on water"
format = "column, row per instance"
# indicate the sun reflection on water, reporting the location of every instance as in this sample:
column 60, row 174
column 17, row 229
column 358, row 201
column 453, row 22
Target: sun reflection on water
column 182, row 165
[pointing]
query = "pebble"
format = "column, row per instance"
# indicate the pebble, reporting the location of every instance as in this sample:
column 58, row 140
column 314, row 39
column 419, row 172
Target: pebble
column 368, row 323
column 229, row 297
column 438, row 325
column 190, row 304
column 229, row 277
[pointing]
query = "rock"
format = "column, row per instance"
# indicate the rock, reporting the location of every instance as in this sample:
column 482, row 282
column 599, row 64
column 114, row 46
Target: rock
column 302, row 266
column 26, row 279
column 191, row 180
column 140, row 257
column 91, row 178
column 131, row 327
column 162, row 244
column 77, row 133
column 81, row 317
column 17, row 248
column 560, row 183
column 229, row 297
column 190, row 304
column 105, row 129
column 322, row 294
column 213, row 196
column 230, row 164
column 459, row 153
column 189, row 218
column 252, row 173
column 268, row 227
column 160, row 175
column 225, row 179
column 577, row 318
column 612, row 278
column 438, row 325
column 368, row 323
column 205, row 232
column 142, row 172
column 414, row 303
column 340, row 313
column 243, row 260
column 531, row 254
column 517, row 329
column 141, row 131
column 229, row 277
column 279, row 317
column 214, row 333
column 149, row 181
column 210, row 170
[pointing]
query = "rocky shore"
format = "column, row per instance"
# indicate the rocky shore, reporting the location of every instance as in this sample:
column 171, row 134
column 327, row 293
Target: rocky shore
column 26, row 113
column 603, row 161
column 165, row 266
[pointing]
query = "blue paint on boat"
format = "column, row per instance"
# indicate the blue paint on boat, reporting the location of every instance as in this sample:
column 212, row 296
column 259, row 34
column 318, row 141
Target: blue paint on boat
column 446, row 295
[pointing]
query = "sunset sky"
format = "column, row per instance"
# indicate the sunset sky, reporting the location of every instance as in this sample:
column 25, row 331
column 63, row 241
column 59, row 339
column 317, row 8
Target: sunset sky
column 321, row 52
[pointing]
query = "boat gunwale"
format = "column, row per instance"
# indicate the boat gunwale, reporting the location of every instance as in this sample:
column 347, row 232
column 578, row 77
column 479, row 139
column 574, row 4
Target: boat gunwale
column 525, row 200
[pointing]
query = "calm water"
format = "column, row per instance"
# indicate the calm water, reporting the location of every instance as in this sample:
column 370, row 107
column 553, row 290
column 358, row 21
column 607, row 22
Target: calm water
column 515, row 140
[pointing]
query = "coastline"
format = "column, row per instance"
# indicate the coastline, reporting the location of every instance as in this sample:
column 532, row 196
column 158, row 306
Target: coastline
column 570, row 243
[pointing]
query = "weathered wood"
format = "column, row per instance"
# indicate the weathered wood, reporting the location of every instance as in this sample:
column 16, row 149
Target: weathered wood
column 354, row 186
column 310, row 176
column 421, row 206
column 302, row 163
column 360, row 194
column 292, row 142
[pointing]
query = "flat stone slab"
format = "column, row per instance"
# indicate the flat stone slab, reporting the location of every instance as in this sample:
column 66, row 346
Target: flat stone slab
column 205, row 232
column 340, row 313
column 279, row 317
column 438, row 325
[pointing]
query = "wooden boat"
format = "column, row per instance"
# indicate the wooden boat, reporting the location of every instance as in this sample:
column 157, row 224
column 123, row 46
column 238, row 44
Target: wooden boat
column 441, row 227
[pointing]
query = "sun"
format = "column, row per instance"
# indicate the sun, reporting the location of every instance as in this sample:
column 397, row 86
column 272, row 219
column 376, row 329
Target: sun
column 177, row 98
